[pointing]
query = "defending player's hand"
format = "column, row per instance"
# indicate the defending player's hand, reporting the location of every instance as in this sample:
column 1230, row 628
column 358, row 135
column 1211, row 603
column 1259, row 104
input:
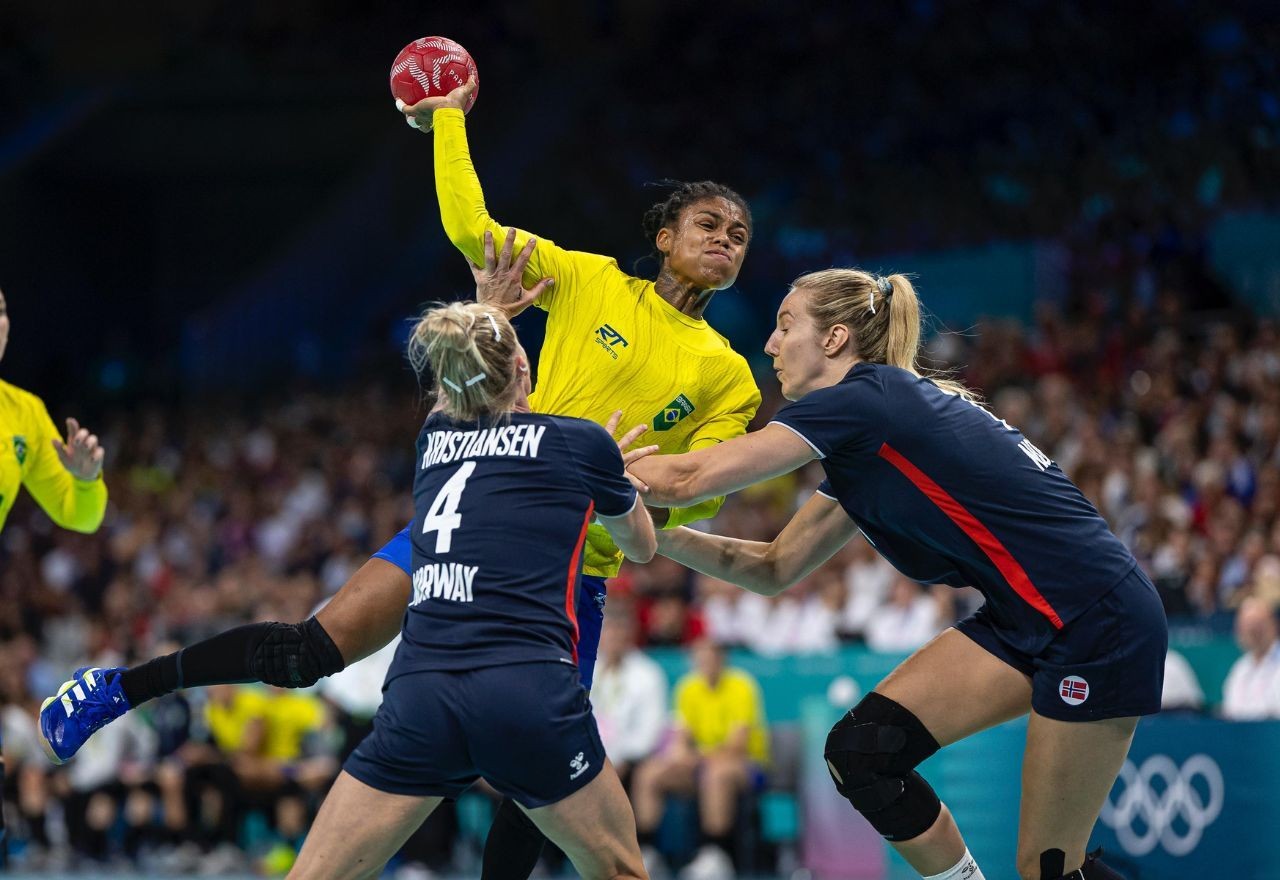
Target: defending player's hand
column 419, row 115
column 81, row 454
column 498, row 280
column 625, row 441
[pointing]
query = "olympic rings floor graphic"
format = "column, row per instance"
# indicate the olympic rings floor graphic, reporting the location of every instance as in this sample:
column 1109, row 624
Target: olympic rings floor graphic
column 1163, row 804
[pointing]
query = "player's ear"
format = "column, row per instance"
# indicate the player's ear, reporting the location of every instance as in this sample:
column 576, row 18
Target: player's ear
column 836, row 341
column 663, row 241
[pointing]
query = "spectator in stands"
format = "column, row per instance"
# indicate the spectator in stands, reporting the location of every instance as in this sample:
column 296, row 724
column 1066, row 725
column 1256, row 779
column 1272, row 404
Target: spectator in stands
column 909, row 618
column 1181, row 692
column 1252, row 688
column 629, row 695
column 718, row 750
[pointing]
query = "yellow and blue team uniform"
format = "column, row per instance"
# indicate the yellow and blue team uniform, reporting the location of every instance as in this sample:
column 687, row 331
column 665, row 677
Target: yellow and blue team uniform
column 27, row 458
column 484, row 682
column 612, row 343
column 950, row 494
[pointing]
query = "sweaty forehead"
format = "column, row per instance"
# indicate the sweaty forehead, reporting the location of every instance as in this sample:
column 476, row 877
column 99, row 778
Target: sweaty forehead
column 719, row 206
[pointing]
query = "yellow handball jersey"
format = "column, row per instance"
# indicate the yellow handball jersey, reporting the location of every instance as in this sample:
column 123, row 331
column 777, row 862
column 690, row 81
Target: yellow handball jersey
column 27, row 458
column 713, row 714
column 611, row 343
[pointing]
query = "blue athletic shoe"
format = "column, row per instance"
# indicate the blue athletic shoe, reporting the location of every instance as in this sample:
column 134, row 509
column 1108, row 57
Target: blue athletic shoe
column 92, row 698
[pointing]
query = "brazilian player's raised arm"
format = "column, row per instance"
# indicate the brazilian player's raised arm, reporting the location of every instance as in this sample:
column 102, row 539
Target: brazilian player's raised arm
column 682, row 480
column 463, row 211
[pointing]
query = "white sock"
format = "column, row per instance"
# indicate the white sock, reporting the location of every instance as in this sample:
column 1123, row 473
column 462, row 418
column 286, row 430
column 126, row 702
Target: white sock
column 965, row 869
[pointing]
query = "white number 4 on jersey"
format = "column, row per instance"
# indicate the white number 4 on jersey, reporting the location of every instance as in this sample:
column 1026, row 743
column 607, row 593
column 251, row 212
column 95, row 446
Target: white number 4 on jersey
column 443, row 517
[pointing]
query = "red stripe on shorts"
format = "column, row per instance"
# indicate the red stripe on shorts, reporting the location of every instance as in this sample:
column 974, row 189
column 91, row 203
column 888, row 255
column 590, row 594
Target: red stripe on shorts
column 980, row 534
column 570, row 600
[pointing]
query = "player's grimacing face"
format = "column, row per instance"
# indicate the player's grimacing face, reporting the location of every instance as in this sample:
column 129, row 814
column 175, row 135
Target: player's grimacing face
column 796, row 347
column 708, row 243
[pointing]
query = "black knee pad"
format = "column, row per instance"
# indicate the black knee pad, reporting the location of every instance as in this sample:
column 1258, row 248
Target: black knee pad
column 296, row 655
column 872, row 753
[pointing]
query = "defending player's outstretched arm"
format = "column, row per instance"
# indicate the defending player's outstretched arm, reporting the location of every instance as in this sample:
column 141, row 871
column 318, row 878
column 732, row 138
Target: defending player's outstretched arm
column 693, row 477
column 815, row 533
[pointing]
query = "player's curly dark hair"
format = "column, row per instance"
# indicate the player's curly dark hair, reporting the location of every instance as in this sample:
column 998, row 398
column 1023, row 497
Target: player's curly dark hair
column 684, row 193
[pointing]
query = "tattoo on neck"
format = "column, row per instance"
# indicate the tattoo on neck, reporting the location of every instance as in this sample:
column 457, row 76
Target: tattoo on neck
column 687, row 297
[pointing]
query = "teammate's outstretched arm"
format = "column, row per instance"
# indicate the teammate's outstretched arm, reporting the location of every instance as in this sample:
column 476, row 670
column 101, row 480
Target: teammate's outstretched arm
column 814, row 534
column 65, row 479
column 681, row 480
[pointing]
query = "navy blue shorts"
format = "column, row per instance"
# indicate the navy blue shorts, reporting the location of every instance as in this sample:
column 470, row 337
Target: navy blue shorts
column 527, row 728
column 399, row 552
column 1107, row 663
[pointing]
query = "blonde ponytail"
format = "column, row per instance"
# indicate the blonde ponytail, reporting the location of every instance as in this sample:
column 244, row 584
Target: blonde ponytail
column 470, row 349
column 883, row 317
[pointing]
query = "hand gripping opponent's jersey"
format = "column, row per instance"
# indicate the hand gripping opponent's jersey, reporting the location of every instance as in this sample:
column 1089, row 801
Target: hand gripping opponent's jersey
column 500, row 518
column 950, row 494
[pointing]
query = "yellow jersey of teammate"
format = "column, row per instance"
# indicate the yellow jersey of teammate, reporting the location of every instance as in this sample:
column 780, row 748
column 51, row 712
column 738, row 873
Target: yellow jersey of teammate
column 612, row 343
column 28, row 458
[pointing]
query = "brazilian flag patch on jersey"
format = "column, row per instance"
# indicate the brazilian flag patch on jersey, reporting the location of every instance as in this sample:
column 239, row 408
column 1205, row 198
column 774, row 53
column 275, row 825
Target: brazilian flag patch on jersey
column 20, row 448
column 672, row 413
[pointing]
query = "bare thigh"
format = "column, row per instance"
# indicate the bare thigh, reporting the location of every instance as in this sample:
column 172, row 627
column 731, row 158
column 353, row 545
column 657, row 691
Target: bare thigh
column 366, row 613
column 957, row 688
column 1067, row 771
column 595, row 828
column 357, row 830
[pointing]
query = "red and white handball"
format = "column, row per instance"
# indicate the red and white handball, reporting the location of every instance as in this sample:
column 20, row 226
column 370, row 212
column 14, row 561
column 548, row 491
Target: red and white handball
column 432, row 67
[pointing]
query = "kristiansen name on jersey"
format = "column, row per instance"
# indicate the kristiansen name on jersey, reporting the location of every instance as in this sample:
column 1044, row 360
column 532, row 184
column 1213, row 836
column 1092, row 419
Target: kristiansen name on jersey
column 516, row 440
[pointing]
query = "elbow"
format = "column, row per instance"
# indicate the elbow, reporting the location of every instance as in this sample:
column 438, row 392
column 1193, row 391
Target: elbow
column 773, row 580
column 644, row 552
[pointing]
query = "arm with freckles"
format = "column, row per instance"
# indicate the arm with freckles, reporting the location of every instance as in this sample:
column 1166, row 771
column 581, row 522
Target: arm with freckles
column 692, row 477
column 813, row 536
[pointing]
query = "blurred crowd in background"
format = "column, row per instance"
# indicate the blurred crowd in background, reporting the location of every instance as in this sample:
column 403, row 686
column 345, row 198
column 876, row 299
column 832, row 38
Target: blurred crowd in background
column 1168, row 419
column 1143, row 377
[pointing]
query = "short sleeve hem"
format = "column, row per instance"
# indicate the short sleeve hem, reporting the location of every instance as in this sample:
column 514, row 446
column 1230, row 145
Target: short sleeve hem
column 796, row 431
column 635, row 499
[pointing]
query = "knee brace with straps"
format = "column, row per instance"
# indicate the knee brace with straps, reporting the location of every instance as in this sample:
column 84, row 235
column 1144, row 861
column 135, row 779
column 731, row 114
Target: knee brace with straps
column 872, row 753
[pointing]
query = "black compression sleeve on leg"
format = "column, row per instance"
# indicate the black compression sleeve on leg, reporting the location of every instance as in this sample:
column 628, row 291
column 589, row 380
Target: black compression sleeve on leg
column 513, row 846
column 226, row 658
column 282, row 654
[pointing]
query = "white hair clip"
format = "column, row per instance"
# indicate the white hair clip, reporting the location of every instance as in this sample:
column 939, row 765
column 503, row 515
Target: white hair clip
column 478, row 377
column 871, row 302
column 497, row 335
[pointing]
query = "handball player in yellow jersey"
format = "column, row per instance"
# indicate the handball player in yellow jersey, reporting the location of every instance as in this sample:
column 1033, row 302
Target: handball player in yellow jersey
column 610, row 337
column 65, row 479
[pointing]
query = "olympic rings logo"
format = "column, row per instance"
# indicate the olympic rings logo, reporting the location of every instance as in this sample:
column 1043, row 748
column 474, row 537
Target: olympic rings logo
column 1173, row 814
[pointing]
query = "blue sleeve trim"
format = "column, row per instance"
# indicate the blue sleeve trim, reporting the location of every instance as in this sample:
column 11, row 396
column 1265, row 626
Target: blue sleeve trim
column 398, row 551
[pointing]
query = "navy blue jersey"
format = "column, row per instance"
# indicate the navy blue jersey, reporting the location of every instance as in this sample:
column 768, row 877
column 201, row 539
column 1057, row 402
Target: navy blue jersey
column 500, row 516
column 950, row 494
